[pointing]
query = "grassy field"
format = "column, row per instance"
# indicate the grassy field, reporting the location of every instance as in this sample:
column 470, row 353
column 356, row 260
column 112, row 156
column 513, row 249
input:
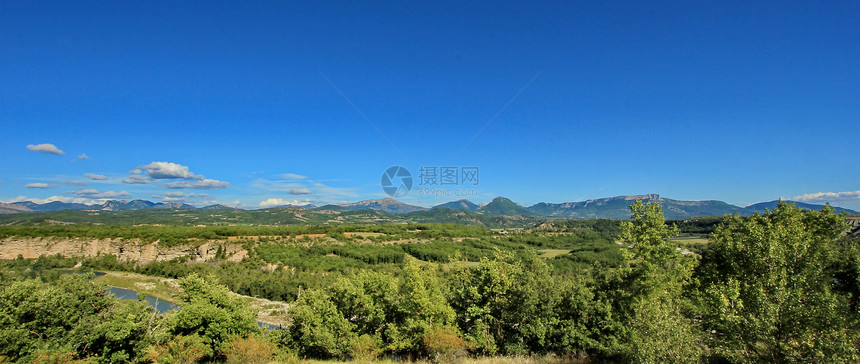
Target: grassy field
column 691, row 240
column 696, row 245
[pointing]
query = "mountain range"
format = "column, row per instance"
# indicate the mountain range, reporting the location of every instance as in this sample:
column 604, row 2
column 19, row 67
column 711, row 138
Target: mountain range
column 610, row 207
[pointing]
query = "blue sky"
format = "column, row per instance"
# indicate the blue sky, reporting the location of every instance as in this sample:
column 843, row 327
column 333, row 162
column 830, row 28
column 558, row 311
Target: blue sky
column 267, row 102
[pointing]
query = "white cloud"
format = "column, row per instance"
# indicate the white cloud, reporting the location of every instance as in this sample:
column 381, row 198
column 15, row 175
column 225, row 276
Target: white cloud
column 299, row 191
column 137, row 179
column 45, row 148
column 39, row 185
column 83, row 157
column 95, row 177
column 829, row 196
column 75, row 183
column 65, row 199
column 204, row 184
column 95, row 194
column 292, row 176
column 167, row 170
column 320, row 190
column 279, row 201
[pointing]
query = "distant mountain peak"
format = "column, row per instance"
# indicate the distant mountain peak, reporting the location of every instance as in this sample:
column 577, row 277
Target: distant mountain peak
column 609, row 207
column 11, row 208
column 114, row 205
column 504, row 206
column 770, row 205
column 217, row 206
column 172, row 205
column 385, row 204
column 462, row 205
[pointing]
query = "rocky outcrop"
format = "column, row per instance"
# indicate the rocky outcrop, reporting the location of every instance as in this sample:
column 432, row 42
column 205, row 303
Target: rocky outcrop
column 132, row 250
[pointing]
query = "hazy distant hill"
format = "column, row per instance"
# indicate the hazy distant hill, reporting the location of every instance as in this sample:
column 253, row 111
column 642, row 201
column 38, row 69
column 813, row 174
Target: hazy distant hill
column 269, row 216
column 504, row 206
column 172, row 205
column 329, row 207
column 675, row 209
column 761, row 206
column 449, row 216
column 217, row 207
column 462, row 205
column 610, row 207
column 305, row 206
column 114, row 205
column 53, row 206
column 386, row 204
column 617, row 208
column 10, row 208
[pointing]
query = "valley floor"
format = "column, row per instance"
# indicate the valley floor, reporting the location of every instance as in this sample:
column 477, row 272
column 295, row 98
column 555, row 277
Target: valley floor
column 270, row 312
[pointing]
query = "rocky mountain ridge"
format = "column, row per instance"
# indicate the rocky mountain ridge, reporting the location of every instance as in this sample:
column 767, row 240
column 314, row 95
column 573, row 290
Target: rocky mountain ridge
column 609, row 207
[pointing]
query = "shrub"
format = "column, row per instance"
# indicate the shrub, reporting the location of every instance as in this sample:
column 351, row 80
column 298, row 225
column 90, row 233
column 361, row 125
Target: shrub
column 444, row 344
column 249, row 350
column 181, row 349
column 367, row 348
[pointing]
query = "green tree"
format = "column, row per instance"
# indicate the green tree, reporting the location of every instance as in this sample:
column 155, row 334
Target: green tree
column 422, row 307
column 845, row 267
column 768, row 291
column 371, row 312
column 504, row 305
column 211, row 311
column 652, row 285
column 72, row 316
column 657, row 267
column 318, row 329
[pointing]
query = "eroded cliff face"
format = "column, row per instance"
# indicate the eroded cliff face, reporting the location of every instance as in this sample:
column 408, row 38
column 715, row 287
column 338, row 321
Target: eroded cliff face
column 132, row 249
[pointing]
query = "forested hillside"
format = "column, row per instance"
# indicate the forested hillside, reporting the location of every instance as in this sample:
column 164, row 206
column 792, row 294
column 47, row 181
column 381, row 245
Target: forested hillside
column 779, row 287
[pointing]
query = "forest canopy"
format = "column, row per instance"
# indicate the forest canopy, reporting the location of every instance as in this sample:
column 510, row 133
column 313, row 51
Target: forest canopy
column 776, row 287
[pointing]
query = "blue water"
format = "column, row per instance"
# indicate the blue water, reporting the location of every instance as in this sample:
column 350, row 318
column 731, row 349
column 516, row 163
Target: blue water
column 164, row 306
column 127, row 294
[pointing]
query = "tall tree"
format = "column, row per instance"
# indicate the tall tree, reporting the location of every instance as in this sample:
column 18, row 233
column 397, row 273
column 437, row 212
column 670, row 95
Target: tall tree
column 769, row 294
column 71, row 318
column 652, row 281
column 211, row 311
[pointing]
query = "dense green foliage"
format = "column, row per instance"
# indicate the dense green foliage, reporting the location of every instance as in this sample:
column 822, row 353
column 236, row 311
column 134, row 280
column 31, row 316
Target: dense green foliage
column 369, row 313
column 504, row 306
column 768, row 290
column 698, row 225
column 70, row 317
column 173, row 235
column 271, row 216
column 210, row 311
column 73, row 318
column 777, row 287
column 651, row 291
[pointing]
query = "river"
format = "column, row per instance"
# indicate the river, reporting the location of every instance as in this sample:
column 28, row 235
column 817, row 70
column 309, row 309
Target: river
column 164, row 306
column 127, row 294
